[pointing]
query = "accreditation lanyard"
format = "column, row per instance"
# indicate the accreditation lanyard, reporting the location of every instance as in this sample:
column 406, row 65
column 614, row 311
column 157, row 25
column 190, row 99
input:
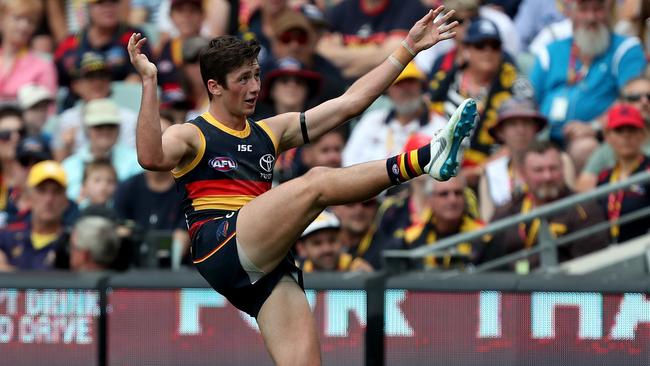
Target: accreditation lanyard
column 528, row 236
column 615, row 200
column 574, row 75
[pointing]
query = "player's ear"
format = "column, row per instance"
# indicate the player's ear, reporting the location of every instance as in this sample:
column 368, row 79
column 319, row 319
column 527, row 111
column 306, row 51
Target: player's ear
column 214, row 87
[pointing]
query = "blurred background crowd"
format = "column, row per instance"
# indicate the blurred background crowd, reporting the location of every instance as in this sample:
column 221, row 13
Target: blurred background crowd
column 563, row 88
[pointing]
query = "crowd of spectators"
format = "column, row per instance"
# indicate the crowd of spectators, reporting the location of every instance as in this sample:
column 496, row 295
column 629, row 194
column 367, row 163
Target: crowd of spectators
column 563, row 90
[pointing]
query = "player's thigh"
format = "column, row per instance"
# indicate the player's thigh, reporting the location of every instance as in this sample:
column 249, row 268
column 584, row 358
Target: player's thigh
column 288, row 326
column 270, row 224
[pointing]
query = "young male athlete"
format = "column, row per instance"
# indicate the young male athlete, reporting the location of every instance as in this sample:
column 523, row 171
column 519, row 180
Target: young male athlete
column 241, row 229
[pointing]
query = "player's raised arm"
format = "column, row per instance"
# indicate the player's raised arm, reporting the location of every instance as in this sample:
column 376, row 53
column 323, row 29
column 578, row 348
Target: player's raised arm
column 155, row 150
column 425, row 33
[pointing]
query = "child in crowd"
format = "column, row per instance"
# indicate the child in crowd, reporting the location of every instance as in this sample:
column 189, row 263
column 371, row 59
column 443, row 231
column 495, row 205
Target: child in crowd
column 99, row 183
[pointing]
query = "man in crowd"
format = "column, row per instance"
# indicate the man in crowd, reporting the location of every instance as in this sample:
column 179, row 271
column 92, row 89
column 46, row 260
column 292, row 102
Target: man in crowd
column 543, row 175
column 35, row 244
column 322, row 250
column 576, row 79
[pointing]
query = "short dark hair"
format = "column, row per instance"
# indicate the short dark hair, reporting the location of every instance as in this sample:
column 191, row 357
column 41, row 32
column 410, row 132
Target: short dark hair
column 540, row 147
column 223, row 55
column 98, row 164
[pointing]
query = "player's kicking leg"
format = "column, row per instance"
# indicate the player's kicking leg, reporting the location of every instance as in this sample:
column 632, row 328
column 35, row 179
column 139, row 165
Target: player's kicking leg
column 269, row 225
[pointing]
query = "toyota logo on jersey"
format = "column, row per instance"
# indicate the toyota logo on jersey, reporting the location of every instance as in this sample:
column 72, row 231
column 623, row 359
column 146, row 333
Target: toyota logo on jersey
column 223, row 163
column 266, row 162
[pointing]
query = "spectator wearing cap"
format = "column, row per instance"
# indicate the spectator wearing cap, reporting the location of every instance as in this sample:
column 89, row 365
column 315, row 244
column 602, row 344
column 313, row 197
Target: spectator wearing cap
column 445, row 216
column 448, row 52
column 322, row 250
column 36, row 244
column 489, row 78
column 294, row 36
column 363, row 33
column 543, row 176
column 91, row 81
column 577, row 78
column 102, row 126
column 287, row 87
column 18, row 65
column 636, row 93
column 518, row 123
column 187, row 16
column 105, row 34
column 35, row 102
column 94, row 244
column 626, row 132
column 382, row 132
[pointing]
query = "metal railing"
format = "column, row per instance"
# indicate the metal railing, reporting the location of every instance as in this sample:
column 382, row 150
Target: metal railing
column 403, row 260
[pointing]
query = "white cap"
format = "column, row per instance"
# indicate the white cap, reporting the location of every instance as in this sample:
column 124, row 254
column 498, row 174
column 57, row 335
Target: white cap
column 30, row 95
column 101, row 112
column 325, row 220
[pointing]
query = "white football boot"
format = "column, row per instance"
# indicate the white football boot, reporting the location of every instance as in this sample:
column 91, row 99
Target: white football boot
column 445, row 144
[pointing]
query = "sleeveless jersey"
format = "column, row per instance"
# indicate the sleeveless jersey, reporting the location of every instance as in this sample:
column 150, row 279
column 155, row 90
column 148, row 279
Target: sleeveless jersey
column 230, row 169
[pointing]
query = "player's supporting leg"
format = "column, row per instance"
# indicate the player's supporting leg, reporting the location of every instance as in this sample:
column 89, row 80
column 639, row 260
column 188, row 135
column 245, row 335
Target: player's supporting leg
column 288, row 326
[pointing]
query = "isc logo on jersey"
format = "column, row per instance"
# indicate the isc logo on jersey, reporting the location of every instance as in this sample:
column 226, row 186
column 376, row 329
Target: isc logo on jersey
column 223, row 163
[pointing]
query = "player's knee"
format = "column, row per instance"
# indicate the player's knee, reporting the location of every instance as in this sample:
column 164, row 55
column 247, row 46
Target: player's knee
column 316, row 182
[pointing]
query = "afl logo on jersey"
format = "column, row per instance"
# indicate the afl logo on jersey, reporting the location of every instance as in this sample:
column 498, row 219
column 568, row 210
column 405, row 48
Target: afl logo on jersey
column 266, row 162
column 223, row 163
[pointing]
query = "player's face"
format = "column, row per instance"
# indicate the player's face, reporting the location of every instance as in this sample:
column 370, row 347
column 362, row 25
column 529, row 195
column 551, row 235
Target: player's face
column 243, row 89
column 323, row 249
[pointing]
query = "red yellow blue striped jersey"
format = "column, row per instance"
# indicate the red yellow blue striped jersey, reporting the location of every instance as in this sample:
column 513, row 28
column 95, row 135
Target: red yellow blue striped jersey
column 230, row 168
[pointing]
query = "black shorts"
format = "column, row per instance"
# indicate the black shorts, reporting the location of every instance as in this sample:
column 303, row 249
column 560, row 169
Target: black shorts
column 214, row 252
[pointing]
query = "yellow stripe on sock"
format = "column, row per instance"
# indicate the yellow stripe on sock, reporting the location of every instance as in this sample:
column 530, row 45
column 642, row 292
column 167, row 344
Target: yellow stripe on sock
column 414, row 162
column 402, row 167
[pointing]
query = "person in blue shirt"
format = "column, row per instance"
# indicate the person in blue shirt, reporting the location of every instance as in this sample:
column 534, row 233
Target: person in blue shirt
column 576, row 79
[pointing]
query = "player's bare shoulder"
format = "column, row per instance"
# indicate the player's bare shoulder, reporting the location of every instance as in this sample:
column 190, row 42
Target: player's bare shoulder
column 182, row 141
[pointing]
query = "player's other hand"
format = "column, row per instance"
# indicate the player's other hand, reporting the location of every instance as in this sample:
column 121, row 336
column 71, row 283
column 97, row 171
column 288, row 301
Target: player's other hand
column 145, row 68
column 430, row 29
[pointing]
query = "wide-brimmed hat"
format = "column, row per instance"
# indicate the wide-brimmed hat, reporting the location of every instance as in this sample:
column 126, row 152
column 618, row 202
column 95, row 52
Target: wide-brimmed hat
column 517, row 108
column 289, row 66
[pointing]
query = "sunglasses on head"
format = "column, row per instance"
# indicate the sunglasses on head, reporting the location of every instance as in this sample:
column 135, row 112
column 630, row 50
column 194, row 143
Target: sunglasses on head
column 636, row 97
column 298, row 36
column 495, row 46
column 5, row 135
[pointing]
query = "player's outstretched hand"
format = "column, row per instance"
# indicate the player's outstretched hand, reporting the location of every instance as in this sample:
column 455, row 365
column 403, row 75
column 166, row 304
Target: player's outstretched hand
column 429, row 30
column 145, row 68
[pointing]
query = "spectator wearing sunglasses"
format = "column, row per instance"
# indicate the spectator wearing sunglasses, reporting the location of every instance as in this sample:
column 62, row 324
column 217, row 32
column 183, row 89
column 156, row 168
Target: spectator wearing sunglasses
column 485, row 75
column 636, row 92
column 467, row 10
column 294, row 36
column 12, row 129
column 444, row 216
